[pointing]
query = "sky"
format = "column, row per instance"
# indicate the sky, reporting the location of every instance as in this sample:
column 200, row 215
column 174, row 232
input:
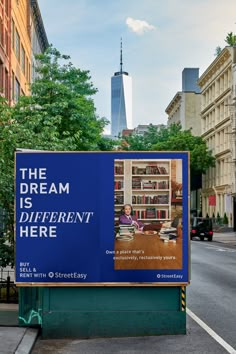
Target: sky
column 160, row 38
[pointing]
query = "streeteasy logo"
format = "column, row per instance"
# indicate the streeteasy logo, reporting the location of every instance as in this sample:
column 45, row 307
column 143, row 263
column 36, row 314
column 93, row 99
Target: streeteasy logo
column 162, row 276
column 73, row 275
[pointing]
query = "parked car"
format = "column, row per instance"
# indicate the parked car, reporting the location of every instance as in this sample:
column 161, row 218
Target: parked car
column 202, row 228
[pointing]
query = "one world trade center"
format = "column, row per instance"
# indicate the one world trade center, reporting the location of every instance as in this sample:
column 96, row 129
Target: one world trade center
column 121, row 100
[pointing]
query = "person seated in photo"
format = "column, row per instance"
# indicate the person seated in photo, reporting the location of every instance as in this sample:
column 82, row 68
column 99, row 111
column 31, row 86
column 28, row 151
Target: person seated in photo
column 127, row 218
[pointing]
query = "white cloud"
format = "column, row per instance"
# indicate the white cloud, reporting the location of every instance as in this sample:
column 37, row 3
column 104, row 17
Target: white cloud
column 139, row 26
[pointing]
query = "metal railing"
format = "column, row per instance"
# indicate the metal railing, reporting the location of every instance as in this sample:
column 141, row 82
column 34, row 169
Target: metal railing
column 8, row 290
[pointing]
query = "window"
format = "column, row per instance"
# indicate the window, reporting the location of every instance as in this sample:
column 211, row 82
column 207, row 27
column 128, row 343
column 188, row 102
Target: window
column 13, row 86
column 28, row 68
column 6, row 43
column 17, row 45
column 17, row 90
column 22, row 59
column 13, row 34
column 29, row 79
column 1, row 32
column 1, row 77
column 6, row 84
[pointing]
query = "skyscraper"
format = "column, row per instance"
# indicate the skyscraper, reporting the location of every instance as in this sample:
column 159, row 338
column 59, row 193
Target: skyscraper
column 121, row 100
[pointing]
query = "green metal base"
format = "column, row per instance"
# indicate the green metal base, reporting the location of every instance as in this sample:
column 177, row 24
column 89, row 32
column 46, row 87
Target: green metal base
column 108, row 312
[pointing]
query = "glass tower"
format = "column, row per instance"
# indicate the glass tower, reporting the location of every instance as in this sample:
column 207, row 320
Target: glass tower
column 121, row 100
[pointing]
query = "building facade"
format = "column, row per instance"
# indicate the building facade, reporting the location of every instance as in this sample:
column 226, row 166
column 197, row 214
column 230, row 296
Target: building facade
column 21, row 49
column 5, row 48
column 142, row 129
column 184, row 108
column 39, row 41
column 28, row 37
column 121, row 101
column 218, row 116
column 190, row 78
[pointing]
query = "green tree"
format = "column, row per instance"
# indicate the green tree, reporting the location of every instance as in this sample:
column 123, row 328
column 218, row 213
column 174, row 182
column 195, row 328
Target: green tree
column 6, row 185
column 58, row 116
column 174, row 138
column 218, row 51
column 218, row 218
column 231, row 39
column 225, row 219
column 60, row 108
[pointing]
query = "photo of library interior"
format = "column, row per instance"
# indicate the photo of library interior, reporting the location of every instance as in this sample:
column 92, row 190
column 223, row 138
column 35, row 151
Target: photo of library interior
column 148, row 214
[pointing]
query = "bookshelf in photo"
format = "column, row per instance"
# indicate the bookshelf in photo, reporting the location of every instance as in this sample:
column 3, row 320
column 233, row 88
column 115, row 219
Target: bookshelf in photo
column 146, row 184
column 151, row 190
column 118, row 186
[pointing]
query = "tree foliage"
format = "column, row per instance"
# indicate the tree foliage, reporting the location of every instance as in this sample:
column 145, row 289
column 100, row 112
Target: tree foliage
column 173, row 138
column 59, row 115
column 60, row 108
column 218, row 51
column 230, row 41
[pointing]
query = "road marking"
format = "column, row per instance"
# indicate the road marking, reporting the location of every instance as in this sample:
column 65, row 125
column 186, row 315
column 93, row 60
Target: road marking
column 212, row 333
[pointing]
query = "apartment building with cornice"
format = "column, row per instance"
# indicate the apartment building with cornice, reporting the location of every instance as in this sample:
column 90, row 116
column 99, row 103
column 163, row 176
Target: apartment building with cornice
column 28, row 37
column 184, row 108
column 218, row 118
column 21, row 49
column 39, row 41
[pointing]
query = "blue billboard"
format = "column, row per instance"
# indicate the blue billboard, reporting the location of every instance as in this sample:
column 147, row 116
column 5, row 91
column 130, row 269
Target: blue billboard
column 94, row 218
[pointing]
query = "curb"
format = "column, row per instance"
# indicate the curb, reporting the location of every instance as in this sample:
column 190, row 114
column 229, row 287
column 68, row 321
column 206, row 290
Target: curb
column 27, row 342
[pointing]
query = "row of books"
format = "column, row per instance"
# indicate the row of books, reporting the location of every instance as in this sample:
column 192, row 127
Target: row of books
column 168, row 234
column 147, row 199
column 126, row 229
column 119, row 170
column 155, row 184
column 118, row 185
column 119, row 199
column 149, row 170
column 138, row 183
column 117, row 213
column 151, row 213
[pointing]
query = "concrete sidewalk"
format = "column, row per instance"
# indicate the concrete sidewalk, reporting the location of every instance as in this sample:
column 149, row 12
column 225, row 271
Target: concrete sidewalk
column 17, row 340
column 225, row 237
column 14, row 339
column 20, row 340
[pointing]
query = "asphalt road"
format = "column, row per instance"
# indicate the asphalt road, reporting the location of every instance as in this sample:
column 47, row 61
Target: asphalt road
column 211, row 296
column 212, row 293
